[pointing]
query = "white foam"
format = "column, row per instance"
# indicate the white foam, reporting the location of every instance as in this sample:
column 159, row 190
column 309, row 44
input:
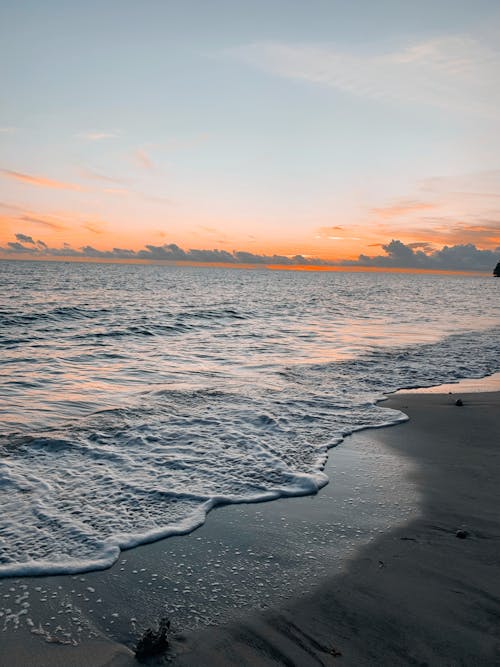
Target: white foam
column 74, row 507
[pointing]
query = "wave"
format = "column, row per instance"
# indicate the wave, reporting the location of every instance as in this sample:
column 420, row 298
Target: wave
column 73, row 497
column 59, row 313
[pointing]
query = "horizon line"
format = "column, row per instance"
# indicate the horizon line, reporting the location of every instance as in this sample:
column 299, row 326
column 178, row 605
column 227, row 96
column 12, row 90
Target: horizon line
column 333, row 268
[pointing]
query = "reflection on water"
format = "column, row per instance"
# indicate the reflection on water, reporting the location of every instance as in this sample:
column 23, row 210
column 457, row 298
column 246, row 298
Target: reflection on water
column 136, row 398
column 79, row 337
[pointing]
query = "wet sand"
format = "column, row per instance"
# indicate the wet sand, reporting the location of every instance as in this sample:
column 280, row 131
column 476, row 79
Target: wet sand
column 368, row 572
column 419, row 595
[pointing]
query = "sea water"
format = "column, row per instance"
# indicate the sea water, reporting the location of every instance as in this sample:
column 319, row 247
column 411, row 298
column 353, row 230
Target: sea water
column 134, row 398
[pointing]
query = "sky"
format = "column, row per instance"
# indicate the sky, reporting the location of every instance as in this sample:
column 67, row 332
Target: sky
column 322, row 129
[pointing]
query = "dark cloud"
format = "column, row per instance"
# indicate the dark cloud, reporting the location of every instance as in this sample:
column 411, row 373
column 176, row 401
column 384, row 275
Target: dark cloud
column 169, row 252
column 419, row 255
column 453, row 258
column 15, row 247
column 466, row 257
column 24, row 239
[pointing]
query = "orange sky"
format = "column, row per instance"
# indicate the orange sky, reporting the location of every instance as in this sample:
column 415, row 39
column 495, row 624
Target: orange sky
column 82, row 212
column 324, row 133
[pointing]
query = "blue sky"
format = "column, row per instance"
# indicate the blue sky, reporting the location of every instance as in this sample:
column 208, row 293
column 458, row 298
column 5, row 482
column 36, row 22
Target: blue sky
column 261, row 126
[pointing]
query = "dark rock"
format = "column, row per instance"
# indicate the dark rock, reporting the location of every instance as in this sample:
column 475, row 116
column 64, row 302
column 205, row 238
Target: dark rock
column 496, row 271
column 462, row 534
column 153, row 642
column 459, row 402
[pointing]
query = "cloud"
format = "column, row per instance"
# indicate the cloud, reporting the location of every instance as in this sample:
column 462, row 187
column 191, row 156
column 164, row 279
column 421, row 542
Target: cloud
column 39, row 181
column 7, row 130
column 462, row 257
column 44, row 221
column 98, row 136
column 24, row 239
column 484, row 232
column 450, row 71
column 94, row 175
column 94, row 227
column 143, row 159
column 166, row 252
column 14, row 246
column 23, row 215
column 451, row 210
column 402, row 208
column 418, row 255
column 332, row 234
column 325, row 232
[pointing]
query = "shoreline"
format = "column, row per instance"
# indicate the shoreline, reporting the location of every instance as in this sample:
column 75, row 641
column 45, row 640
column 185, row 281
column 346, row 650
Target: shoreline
column 233, row 530
column 418, row 595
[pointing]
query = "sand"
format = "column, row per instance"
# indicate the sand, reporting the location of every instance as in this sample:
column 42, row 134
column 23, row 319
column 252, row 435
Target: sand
column 389, row 582
column 419, row 595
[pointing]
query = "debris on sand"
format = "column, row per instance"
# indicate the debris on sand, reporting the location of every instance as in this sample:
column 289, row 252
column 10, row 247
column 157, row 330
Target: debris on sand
column 153, row 642
column 462, row 534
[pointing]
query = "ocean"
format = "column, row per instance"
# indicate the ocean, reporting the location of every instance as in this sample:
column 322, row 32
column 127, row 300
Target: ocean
column 135, row 398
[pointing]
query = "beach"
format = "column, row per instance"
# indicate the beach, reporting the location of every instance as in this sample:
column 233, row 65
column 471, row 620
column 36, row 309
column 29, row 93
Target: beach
column 249, row 334
column 409, row 591
column 418, row 595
